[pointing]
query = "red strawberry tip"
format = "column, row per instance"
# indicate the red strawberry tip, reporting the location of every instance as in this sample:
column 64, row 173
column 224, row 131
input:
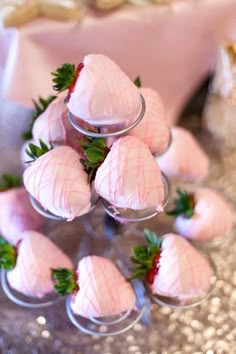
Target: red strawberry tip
column 150, row 276
column 72, row 87
column 147, row 257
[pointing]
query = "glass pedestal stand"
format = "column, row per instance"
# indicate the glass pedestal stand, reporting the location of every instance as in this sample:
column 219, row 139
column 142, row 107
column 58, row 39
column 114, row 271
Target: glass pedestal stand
column 98, row 233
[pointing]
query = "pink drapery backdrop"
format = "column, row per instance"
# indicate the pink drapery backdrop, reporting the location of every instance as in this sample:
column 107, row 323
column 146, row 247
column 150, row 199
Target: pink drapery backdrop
column 172, row 49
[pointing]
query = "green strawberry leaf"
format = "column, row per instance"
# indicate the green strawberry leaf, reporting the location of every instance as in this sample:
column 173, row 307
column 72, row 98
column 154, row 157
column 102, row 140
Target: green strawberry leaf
column 63, row 77
column 140, row 251
column 184, row 205
column 95, row 151
column 152, row 250
column 173, row 213
column 189, row 213
column 94, row 156
column 8, row 255
column 35, row 151
column 9, row 181
column 65, row 281
column 142, row 261
column 137, row 81
column 152, row 238
column 144, row 256
column 138, row 273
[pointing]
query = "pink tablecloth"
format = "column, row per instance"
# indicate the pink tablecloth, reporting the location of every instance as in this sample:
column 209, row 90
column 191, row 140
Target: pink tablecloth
column 172, row 49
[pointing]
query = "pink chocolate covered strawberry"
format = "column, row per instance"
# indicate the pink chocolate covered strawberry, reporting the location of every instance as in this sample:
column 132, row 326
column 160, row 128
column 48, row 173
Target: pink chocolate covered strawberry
column 16, row 212
column 100, row 93
column 57, row 180
column 185, row 158
column 153, row 130
column 39, row 107
column 98, row 288
column 53, row 126
column 129, row 176
column 172, row 267
column 30, row 264
column 202, row 214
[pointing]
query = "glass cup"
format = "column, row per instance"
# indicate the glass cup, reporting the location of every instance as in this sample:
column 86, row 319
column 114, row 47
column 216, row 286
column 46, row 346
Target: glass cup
column 189, row 302
column 127, row 215
column 102, row 130
column 26, row 301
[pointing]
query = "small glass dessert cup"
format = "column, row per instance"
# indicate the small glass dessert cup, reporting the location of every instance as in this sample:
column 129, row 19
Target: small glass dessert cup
column 125, row 216
column 106, row 326
column 106, row 131
column 27, row 301
column 117, row 324
column 47, row 214
column 189, row 301
column 110, row 324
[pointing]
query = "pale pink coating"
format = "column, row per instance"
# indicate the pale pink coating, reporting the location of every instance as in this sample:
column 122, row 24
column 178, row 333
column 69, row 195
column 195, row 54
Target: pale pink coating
column 185, row 158
column 57, row 180
column 37, row 256
column 17, row 214
column 103, row 94
column 103, row 291
column 153, row 129
column 184, row 272
column 213, row 216
column 130, row 177
column 53, row 126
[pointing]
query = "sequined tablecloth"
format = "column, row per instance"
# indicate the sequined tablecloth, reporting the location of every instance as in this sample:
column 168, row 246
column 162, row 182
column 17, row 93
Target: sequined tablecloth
column 209, row 328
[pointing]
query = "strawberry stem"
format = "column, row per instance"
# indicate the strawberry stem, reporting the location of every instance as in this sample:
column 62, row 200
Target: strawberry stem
column 9, row 181
column 184, row 205
column 144, row 256
column 65, row 281
column 137, row 81
column 8, row 255
column 64, row 77
column 35, row 151
column 95, row 151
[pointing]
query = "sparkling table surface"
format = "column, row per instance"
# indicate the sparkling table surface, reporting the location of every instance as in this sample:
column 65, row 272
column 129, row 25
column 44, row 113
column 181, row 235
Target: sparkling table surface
column 209, row 328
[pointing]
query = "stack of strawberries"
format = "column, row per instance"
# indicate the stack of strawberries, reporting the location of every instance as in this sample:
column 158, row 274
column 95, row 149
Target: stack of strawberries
column 64, row 167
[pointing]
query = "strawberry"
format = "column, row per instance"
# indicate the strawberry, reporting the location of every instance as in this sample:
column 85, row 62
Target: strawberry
column 57, row 180
column 99, row 92
column 53, row 126
column 153, row 130
column 129, row 176
column 172, row 267
column 98, row 288
column 16, row 213
column 202, row 214
column 29, row 264
column 185, row 158
column 148, row 257
column 39, row 108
